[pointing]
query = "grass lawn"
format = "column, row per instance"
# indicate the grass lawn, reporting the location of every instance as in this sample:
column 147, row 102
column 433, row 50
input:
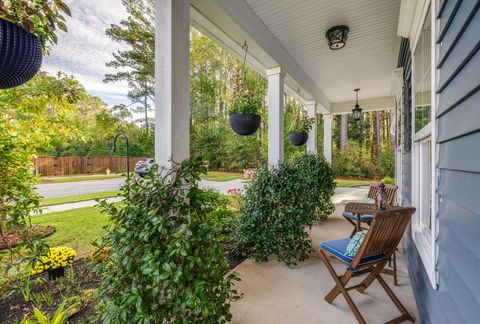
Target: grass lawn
column 79, row 178
column 76, row 228
column 222, row 176
column 353, row 183
column 77, row 198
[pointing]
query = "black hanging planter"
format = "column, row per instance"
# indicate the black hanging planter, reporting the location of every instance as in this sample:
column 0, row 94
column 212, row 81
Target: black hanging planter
column 20, row 55
column 245, row 124
column 54, row 274
column 298, row 139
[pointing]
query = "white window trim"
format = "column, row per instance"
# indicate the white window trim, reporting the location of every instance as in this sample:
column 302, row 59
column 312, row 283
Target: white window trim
column 426, row 241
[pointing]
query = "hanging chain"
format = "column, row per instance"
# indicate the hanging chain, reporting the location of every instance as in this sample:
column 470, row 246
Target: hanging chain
column 245, row 48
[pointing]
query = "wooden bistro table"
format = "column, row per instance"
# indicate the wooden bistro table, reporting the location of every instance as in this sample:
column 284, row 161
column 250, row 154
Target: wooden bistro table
column 358, row 209
column 366, row 208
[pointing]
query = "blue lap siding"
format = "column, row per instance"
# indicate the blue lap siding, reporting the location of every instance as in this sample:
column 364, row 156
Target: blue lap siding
column 457, row 299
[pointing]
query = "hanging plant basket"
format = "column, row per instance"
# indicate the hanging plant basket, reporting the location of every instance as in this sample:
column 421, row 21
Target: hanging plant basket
column 20, row 55
column 245, row 124
column 298, row 139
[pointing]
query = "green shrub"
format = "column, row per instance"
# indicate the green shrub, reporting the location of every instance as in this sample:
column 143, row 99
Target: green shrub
column 280, row 204
column 166, row 262
column 388, row 180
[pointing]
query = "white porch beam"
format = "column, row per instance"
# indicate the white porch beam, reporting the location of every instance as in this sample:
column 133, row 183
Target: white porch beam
column 311, row 107
column 372, row 104
column 233, row 22
column 327, row 137
column 172, row 61
column 275, row 116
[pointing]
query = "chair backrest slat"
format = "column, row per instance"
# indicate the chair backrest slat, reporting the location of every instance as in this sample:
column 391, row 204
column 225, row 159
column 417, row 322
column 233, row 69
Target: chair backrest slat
column 390, row 191
column 385, row 232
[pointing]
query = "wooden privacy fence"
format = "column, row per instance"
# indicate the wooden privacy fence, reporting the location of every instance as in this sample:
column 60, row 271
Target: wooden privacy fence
column 67, row 165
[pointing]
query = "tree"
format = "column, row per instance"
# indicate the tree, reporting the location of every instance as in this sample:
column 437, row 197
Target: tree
column 136, row 64
column 36, row 117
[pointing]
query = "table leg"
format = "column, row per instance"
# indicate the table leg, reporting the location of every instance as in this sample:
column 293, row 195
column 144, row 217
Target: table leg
column 359, row 225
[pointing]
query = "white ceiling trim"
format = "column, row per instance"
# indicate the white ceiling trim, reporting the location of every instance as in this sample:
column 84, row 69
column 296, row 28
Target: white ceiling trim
column 372, row 104
column 232, row 22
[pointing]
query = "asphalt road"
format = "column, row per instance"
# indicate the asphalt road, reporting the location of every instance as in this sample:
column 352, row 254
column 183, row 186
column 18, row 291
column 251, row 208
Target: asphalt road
column 54, row 190
column 63, row 189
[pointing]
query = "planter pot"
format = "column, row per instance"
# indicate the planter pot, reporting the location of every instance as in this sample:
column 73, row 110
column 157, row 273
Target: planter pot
column 298, row 139
column 245, row 124
column 54, row 274
column 20, row 55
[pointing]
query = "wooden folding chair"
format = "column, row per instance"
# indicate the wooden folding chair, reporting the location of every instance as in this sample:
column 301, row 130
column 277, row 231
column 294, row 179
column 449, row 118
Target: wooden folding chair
column 390, row 191
column 380, row 242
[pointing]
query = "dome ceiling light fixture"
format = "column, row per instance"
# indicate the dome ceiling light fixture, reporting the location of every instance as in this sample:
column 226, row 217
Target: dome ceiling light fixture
column 337, row 36
column 357, row 111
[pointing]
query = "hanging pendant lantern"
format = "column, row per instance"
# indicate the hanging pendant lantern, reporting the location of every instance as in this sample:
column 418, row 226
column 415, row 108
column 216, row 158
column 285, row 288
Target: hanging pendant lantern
column 20, row 55
column 337, row 37
column 357, row 111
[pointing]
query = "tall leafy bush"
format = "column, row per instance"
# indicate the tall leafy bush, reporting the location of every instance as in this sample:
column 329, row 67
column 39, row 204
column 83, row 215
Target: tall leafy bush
column 280, row 204
column 166, row 263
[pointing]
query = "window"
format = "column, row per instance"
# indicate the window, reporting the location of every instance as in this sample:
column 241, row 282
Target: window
column 423, row 184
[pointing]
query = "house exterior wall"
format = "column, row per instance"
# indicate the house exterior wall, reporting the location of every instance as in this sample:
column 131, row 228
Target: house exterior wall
column 457, row 297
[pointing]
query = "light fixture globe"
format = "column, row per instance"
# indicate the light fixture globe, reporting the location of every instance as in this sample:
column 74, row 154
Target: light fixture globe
column 337, row 36
column 357, row 111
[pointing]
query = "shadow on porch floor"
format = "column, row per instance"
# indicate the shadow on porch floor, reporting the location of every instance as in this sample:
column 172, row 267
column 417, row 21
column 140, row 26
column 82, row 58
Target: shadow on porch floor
column 274, row 293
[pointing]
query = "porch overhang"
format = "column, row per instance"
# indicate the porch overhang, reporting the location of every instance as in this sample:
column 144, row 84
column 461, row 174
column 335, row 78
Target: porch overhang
column 231, row 23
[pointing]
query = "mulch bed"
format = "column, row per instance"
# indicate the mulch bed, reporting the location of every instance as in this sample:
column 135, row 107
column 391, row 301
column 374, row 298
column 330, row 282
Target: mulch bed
column 16, row 236
column 48, row 295
column 13, row 306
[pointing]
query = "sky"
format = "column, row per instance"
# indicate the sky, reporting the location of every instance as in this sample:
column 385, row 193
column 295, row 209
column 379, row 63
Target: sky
column 84, row 51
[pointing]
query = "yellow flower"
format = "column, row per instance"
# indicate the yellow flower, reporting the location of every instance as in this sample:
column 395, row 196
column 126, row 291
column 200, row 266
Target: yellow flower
column 57, row 257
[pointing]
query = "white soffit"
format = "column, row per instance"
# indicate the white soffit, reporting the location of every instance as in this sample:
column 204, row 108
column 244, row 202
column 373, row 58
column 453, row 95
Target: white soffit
column 366, row 62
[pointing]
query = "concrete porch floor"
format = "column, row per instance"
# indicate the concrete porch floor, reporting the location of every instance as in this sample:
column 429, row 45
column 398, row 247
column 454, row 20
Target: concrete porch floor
column 274, row 293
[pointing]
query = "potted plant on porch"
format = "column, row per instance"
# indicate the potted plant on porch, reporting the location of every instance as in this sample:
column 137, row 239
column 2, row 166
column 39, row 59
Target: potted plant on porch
column 27, row 28
column 300, row 127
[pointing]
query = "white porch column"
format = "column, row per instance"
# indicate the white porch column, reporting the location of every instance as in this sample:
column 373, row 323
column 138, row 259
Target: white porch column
column 275, row 116
column 172, row 107
column 311, row 107
column 327, row 137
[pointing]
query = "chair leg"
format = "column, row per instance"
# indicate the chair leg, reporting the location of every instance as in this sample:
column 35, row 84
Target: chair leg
column 396, row 301
column 340, row 288
column 395, row 279
column 372, row 276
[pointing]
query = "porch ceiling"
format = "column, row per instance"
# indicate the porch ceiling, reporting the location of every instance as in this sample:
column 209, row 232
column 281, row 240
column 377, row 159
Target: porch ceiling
column 365, row 62
column 297, row 31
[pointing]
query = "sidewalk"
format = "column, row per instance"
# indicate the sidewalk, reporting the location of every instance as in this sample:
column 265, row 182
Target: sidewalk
column 80, row 204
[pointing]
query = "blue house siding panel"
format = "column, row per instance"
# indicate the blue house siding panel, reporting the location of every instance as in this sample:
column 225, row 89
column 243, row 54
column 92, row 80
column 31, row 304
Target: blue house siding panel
column 457, row 298
column 407, row 179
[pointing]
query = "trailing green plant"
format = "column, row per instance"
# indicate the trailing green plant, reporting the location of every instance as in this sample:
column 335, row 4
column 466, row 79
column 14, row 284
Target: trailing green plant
column 301, row 122
column 280, row 204
column 388, row 181
column 166, row 262
column 244, row 103
column 39, row 17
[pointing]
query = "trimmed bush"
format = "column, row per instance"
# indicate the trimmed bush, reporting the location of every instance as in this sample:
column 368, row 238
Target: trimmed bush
column 280, row 204
column 166, row 262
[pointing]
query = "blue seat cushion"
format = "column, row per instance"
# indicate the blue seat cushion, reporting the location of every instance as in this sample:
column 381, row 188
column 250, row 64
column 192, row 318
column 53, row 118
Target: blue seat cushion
column 363, row 218
column 338, row 248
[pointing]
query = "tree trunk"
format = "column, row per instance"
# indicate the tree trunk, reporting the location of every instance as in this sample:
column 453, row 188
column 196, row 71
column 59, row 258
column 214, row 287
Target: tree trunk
column 344, row 132
column 378, row 137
